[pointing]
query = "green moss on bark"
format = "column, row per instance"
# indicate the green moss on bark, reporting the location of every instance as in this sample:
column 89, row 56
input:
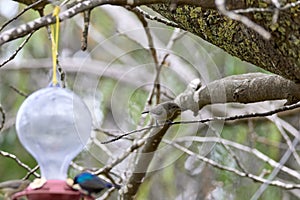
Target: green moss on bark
column 279, row 55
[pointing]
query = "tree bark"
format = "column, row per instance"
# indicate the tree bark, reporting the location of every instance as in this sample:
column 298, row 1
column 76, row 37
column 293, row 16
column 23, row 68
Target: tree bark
column 280, row 54
column 244, row 88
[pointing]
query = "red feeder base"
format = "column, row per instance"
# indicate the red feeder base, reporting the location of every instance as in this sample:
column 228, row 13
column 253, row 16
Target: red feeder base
column 52, row 189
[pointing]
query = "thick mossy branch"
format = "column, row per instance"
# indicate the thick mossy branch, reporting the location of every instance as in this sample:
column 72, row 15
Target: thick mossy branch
column 244, row 88
column 280, row 54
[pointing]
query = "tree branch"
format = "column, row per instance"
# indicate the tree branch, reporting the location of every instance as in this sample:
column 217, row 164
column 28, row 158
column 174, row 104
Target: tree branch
column 233, row 170
column 19, row 162
column 244, row 88
column 79, row 7
column 278, row 55
column 240, row 147
column 3, row 116
column 17, row 51
column 144, row 160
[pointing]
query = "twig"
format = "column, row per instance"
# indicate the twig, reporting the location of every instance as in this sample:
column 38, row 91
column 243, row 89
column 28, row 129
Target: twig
column 76, row 166
column 107, row 194
column 78, row 7
column 230, row 118
column 23, row 94
column 18, row 161
column 142, row 164
column 116, row 161
column 31, row 172
column 2, row 118
column 287, row 139
column 290, row 5
column 233, row 155
column 156, row 84
column 129, row 133
column 275, row 144
column 252, row 135
column 103, row 147
column 249, row 10
column 279, row 7
column 233, row 170
column 175, row 36
column 107, row 132
column 85, row 32
column 17, row 51
column 62, row 74
column 283, row 160
column 241, row 147
column 21, row 13
column 290, row 151
column 244, row 116
column 156, row 18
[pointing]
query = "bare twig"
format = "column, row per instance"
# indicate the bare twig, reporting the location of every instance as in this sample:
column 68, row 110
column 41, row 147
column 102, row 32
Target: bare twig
column 2, row 118
column 23, row 94
column 85, row 32
column 103, row 147
column 31, row 172
column 129, row 133
column 290, row 151
column 230, row 118
column 244, row 116
column 275, row 119
column 240, row 147
column 156, row 84
column 249, row 10
column 107, row 194
column 285, row 7
column 156, row 18
column 266, row 141
column 175, row 36
column 79, row 7
column 290, row 5
column 283, row 160
column 18, row 161
column 233, row 170
column 233, row 155
column 62, row 74
column 21, row 13
column 111, row 133
column 17, row 51
column 116, row 161
column 77, row 167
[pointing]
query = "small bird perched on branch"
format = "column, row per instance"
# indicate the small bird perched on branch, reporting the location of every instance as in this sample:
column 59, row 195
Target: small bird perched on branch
column 163, row 112
column 13, row 186
column 91, row 184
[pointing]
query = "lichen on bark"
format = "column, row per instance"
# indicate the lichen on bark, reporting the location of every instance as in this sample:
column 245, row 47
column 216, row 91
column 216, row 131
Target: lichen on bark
column 280, row 54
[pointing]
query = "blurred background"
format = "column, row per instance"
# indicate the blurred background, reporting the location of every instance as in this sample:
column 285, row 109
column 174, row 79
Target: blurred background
column 114, row 76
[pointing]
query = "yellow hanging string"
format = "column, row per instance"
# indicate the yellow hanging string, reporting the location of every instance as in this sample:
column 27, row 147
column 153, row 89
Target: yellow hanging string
column 54, row 39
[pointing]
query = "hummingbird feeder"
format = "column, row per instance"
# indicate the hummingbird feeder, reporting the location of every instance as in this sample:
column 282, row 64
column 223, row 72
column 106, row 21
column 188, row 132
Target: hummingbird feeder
column 54, row 125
